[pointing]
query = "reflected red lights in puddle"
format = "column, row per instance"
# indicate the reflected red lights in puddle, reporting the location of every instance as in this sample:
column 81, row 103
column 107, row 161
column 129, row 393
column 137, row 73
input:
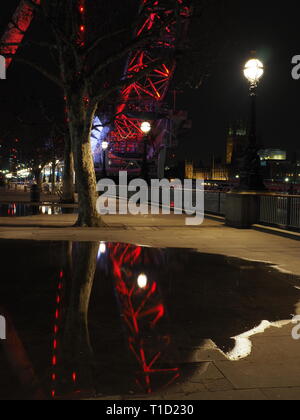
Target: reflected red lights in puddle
column 142, row 308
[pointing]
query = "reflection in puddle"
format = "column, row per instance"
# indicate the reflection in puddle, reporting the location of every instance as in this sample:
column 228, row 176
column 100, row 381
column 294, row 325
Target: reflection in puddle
column 143, row 312
column 27, row 209
column 86, row 319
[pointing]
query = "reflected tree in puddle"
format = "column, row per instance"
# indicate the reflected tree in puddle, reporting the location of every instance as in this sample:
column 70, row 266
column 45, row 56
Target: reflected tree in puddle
column 73, row 358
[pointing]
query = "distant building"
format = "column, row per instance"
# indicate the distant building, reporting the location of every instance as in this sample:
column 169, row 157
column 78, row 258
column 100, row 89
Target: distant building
column 217, row 173
column 281, row 170
column 276, row 167
column 236, row 143
column 272, row 154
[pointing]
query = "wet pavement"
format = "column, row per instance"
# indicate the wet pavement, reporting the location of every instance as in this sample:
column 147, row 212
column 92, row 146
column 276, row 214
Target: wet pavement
column 15, row 210
column 24, row 209
column 96, row 320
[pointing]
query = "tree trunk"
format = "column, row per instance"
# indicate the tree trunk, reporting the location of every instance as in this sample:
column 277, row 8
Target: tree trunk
column 68, row 176
column 86, row 185
column 80, row 125
column 53, row 180
column 37, row 172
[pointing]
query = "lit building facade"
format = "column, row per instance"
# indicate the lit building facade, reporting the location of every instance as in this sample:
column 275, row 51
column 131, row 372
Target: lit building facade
column 217, row 173
column 282, row 171
column 272, row 154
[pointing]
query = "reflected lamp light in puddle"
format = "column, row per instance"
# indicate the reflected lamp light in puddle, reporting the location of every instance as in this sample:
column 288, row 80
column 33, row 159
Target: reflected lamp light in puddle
column 47, row 210
column 142, row 281
column 102, row 249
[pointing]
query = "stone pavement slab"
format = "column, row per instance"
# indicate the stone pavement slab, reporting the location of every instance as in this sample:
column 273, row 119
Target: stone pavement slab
column 282, row 394
column 233, row 395
column 262, row 375
column 273, row 363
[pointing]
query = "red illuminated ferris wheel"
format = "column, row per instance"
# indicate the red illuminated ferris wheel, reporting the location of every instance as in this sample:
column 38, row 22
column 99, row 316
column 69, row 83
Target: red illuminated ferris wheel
column 143, row 100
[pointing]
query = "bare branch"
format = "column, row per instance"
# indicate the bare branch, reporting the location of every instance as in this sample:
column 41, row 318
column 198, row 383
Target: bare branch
column 129, row 81
column 137, row 43
column 94, row 44
column 41, row 70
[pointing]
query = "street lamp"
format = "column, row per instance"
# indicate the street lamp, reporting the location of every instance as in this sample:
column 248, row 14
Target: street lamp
column 105, row 146
column 250, row 176
column 146, row 128
column 253, row 71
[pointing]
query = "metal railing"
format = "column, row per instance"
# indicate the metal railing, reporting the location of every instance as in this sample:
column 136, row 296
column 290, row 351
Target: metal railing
column 280, row 210
column 215, row 202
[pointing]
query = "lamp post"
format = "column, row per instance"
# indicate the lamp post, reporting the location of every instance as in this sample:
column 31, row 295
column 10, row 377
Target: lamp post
column 104, row 149
column 146, row 129
column 250, row 176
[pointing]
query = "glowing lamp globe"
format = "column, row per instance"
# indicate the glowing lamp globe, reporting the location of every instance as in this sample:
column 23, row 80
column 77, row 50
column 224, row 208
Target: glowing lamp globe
column 146, row 127
column 105, row 145
column 142, row 281
column 254, row 70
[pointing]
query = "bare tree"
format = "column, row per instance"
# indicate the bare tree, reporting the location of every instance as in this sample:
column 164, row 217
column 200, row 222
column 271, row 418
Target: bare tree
column 89, row 49
column 88, row 68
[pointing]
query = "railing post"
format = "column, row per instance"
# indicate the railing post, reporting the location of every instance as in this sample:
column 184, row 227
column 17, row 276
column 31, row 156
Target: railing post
column 259, row 208
column 288, row 216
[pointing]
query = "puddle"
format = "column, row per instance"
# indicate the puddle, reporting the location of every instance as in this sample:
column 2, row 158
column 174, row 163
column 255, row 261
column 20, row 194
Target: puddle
column 90, row 319
column 27, row 209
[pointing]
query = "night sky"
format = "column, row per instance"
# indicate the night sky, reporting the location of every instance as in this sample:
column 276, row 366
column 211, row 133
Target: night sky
column 272, row 29
column 269, row 28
